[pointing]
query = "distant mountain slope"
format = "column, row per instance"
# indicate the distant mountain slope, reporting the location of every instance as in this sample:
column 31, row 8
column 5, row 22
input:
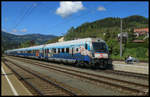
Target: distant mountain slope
column 12, row 41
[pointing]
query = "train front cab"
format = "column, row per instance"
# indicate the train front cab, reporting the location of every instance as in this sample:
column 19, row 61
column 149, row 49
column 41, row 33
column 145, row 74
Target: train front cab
column 100, row 55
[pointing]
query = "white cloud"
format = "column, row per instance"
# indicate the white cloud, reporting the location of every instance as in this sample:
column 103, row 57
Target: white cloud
column 101, row 8
column 68, row 7
column 14, row 30
column 24, row 30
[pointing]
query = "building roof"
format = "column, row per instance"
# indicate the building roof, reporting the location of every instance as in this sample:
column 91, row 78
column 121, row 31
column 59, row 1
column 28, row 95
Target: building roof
column 140, row 30
column 138, row 41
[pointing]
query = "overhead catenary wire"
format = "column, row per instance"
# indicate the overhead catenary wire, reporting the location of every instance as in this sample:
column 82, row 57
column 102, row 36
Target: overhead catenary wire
column 26, row 14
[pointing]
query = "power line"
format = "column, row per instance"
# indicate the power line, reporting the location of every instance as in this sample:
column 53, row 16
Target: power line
column 26, row 13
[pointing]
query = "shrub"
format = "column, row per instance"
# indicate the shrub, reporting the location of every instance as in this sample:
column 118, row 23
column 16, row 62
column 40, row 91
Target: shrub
column 141, row 52
column 134, row 45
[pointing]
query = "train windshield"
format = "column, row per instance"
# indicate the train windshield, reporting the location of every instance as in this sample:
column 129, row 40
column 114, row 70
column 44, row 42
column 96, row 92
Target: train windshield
column 99, row 47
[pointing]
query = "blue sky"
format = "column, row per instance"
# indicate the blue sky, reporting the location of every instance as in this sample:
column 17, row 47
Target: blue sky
column 56, row 17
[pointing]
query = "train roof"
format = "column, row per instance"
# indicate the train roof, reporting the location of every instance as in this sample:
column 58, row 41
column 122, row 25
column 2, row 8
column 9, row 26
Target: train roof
column 60, row 44
column 73, row 42
column 28, row 48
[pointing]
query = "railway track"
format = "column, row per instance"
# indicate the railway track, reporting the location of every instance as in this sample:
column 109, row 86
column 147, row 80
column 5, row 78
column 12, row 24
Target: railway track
column 132, row 87
column 122, row 73
column 36, row 81
column 129, row 74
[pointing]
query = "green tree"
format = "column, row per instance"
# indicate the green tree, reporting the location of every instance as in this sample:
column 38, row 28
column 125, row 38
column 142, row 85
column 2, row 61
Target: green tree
column 28, row 44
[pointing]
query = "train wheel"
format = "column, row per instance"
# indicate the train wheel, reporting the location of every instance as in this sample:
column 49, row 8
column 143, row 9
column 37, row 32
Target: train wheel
column 87, row 65
column 77, row 64
column 83, row 64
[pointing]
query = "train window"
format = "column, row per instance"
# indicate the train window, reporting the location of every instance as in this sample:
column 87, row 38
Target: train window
column 58, row 50
column 47, row 51
column 40, row 51
column 63, row 50
column 77, row 49
column 43, row 51
column 67, row 50
column 54, row 50
column 86, row 46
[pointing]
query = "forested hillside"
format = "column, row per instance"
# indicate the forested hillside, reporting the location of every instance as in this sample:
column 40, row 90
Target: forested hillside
column 108, row 27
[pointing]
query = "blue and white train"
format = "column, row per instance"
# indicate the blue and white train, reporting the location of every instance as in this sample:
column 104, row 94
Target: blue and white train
column 89, row 52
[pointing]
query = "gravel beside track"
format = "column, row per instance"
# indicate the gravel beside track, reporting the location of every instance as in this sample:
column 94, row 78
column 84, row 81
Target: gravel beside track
column 137, row 88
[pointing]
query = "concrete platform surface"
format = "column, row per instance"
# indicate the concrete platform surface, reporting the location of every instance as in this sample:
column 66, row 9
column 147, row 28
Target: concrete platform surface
column 138, row 64
column 10, row 84
column 136, row 68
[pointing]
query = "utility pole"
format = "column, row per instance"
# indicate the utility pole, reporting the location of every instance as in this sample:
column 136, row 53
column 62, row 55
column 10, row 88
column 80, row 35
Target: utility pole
column 121, row 40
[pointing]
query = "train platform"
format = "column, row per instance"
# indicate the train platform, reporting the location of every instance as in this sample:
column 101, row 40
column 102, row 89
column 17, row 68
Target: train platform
column 142, row 68
column 11, row 86
column 138, row 64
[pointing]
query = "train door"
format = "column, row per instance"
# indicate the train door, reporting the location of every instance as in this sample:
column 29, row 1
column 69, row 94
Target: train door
column 46, row 52
column 42, row 52
column 37, row 53
column 72, row 51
